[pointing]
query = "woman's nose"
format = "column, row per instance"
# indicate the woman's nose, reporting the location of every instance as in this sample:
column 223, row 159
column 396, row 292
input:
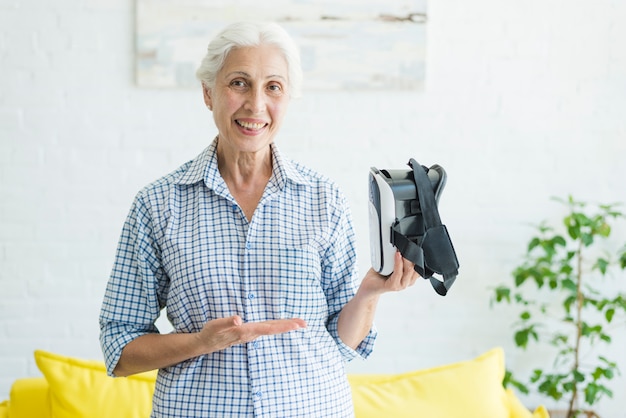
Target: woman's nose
column 255, row 101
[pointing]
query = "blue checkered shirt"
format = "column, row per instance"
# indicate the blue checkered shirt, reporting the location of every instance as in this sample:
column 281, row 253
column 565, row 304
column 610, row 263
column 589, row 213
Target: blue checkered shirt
column 187, row 245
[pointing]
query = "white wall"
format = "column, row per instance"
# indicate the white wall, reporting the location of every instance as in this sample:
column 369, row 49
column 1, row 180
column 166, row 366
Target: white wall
column 523, row 101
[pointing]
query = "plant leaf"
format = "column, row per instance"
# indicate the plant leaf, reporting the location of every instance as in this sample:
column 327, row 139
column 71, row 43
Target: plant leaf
column 502, row 293
column 591, row 393
column 521, row 338
column 586, row 238
column 533, row 243
column 604, row 230
column 609, row 314
column 569, row 285
column 602, row 265
column 578, row 376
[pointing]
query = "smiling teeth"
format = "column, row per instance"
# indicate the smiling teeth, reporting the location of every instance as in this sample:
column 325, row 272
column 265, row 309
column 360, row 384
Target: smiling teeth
column 249, row 125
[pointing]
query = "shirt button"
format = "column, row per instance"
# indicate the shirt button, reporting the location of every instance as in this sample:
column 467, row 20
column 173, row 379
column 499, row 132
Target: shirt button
column 258, row 394
column 251, row 295
column 248, row 246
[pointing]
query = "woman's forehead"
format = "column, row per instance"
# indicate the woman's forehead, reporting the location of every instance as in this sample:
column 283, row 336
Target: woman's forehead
column 256, row 61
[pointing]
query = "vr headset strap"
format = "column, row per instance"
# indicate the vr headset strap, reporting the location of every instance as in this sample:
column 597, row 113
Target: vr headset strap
column 431, row 249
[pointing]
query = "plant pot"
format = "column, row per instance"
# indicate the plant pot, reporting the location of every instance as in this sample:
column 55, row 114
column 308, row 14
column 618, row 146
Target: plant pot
column 562, row 413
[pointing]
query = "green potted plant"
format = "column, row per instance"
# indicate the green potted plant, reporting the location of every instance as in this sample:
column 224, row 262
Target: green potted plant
column 561, row 298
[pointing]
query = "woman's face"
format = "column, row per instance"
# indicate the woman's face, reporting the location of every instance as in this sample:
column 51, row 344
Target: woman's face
column 250, row 98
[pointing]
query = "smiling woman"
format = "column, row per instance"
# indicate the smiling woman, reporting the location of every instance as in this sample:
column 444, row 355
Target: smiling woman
column 248, row 76
column 249, row 99
column 252, row 254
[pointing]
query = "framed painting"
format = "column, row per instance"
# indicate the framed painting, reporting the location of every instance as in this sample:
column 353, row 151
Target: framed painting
column 344, row 44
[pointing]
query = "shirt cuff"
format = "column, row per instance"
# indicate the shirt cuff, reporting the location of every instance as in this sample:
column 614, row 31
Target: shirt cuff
column 113, row 343
column 363, row 350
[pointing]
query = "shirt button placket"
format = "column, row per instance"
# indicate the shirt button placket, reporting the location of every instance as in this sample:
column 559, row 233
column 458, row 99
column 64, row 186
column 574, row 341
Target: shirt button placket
column 253, row 354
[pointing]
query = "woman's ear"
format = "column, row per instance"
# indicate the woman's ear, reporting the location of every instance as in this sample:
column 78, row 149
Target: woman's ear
column 206, row 92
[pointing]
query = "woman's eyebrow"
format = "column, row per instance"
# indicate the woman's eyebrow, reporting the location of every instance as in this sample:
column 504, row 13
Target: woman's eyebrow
column 246, row 75
column 241, row 73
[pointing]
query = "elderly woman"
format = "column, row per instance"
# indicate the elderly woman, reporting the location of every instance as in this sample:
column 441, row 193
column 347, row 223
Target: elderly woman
column 253, row 256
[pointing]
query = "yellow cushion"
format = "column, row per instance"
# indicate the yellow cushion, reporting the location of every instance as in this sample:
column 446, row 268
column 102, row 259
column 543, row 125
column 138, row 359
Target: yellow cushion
column 4, row 409
column 518, row 410
column 81, row 388
column 29, row 398
column 469, row 389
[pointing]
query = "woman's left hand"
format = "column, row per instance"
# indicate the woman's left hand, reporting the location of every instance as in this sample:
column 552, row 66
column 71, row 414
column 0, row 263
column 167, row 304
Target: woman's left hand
column 403, row 276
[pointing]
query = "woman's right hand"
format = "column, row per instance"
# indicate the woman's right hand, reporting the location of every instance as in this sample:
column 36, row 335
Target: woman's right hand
column 156, row 351
column 222, row 333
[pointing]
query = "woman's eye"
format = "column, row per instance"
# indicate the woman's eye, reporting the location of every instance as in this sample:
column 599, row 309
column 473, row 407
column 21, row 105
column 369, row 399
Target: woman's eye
column 275, row 88
column 238, row 83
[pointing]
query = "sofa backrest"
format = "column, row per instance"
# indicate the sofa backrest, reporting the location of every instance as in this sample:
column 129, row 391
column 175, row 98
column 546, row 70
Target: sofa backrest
column 29, row 398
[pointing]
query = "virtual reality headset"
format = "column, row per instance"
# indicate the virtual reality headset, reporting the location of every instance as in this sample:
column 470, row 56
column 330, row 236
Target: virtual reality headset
column 404, row 216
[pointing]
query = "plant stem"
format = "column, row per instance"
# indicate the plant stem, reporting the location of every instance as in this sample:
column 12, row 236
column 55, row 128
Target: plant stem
column 579, row 324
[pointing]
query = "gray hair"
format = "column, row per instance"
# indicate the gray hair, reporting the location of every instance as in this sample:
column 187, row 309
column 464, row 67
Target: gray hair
column 244, row 34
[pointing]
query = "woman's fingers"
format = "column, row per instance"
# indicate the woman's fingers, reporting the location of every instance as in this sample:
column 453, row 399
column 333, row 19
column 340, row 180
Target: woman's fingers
column 411, row 274
column 225, row 332
column 404, row 274
column 254, row 330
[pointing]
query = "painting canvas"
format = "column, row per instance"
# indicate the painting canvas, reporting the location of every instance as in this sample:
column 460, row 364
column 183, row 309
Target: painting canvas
column 344, row 44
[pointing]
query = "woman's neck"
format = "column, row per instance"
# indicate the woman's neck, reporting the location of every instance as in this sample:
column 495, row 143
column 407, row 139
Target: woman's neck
column 246, row 175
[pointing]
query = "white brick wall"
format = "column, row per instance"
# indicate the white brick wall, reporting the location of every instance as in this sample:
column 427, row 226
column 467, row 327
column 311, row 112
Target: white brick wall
column 524, row 101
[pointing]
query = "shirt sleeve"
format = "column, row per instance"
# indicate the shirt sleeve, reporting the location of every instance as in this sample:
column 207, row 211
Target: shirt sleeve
column 131, row 302
column 339, row 275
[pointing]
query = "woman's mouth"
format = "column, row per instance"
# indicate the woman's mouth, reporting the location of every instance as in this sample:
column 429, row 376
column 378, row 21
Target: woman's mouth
column 251, row 126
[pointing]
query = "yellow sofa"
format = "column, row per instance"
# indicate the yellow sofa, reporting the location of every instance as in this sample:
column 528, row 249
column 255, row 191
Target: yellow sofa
column 73, row 388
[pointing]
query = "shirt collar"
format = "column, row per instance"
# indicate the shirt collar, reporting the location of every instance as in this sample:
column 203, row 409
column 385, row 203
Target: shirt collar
column 204, row 167
column 285, row 170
